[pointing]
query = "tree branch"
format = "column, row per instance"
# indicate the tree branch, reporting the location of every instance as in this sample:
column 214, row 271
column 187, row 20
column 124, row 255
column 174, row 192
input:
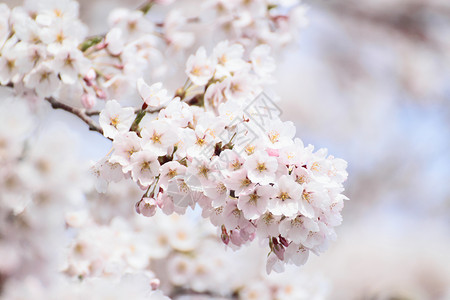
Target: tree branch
column 91, row 113
column 80, row 113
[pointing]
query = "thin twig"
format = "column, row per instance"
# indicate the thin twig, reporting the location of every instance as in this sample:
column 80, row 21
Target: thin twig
column 80, row 113
column 91, row 113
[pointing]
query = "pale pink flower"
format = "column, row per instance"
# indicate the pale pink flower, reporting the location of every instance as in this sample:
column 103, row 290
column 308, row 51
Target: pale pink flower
column 199, row 67
column 158, row 136
column 262, row 63
column 144, row 167
column 254, row 203
column 125, row 145
column 147, row 207
column 261, row 168
column 43, row 80
column 114, row 119
column 287, row 196
column 154, row 95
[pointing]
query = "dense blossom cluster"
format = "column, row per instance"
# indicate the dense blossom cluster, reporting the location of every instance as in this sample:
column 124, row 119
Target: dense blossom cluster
column 46, row 51
column 181, row 253
column 273, row 22
column 40, row 47
column 228, row 154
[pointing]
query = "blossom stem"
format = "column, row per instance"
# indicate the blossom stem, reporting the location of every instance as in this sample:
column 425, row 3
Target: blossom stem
column 80, row 113
column 137, row 120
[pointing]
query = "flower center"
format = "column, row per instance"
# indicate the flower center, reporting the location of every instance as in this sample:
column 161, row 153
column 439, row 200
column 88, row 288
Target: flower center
column 114, row 121
column 203, row 171
column 254, row 198
column 261, row 167
column 284, row 196
column 156, row 138
column 274, row 137
column 172, row 173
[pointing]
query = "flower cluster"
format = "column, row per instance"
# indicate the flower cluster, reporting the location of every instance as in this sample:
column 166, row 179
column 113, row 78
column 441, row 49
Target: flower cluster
column 268, row 22
column 183, row 252
column 46, row 52
column 218, row 146
column 40, row 47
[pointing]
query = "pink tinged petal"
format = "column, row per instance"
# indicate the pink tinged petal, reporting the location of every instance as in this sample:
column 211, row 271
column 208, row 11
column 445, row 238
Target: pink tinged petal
column 147, row 207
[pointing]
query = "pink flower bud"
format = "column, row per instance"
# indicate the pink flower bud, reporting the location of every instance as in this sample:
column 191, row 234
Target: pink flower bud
column 155, row 283
column 136, row 206
column 90, row 75
column 224, row 236
column 147, row 207
column 100, row 93
column 283, row 241
column 273, row 152
column 101, row 46
column 236, row 238
column 278, row 249
column 88, row 100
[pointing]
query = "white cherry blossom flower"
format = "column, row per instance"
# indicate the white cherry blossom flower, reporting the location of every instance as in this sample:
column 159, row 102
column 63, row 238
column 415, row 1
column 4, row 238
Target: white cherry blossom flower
column 70, row 63
column 199, row 67
column 228, row 58
column 262, row 63
column 158, row 136
column 239, row 182
column 144, row 167
column 254, row 203
column 43, row 80
column 154, row 95
column 279, row 134
column 180, row 269
column 261, row 168
column 115, row 119
column 125, row 145
column 297, row 229
column 297, row 254
column 169, row 171
column 287, row 197
column 114, row 41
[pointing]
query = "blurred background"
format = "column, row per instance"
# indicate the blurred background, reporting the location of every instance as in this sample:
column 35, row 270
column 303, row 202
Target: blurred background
column 370, row 81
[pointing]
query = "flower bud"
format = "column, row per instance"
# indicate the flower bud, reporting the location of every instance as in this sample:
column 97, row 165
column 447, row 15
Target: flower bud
column 147, row 207
column 273, row 152
column 155, row 283
column 224, row 236
column 278, row 249
column 90, row 75
column 100, row 93
column 283, row 241
column 136, row 206
column 88, row 100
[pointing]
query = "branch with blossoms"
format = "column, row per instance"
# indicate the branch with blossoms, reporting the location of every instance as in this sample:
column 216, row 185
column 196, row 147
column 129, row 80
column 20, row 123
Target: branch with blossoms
column 229, row 153
column 217, row 143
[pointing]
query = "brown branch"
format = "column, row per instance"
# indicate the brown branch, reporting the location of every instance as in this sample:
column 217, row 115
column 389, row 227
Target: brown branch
column 91, row 113
column 80, row 113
